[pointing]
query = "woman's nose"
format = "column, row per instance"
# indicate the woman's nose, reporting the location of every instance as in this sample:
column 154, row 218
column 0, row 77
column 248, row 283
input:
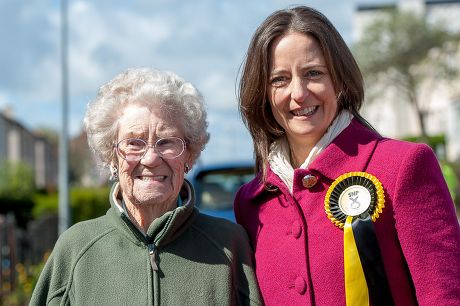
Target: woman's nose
column 299, row 90
column 151, row 157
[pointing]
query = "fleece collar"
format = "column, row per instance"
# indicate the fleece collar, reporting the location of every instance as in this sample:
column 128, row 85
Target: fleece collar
column 163, row 229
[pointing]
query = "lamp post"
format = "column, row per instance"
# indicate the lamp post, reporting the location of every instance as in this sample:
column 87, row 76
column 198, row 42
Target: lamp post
column 63, row 136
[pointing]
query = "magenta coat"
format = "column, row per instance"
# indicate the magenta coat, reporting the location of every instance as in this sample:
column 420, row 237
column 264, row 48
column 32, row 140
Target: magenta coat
column 299, row 251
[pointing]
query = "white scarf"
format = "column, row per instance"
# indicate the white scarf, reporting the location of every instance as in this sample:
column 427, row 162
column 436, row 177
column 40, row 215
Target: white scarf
column 279, row 157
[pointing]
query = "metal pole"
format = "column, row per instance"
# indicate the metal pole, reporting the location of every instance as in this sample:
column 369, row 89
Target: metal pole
column 63, row 137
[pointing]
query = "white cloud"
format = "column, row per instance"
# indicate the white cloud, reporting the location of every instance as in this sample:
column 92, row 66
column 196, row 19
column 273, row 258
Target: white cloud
column 220, row 91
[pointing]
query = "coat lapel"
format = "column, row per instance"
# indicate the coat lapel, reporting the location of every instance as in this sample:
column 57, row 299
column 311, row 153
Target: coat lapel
column 350, row 151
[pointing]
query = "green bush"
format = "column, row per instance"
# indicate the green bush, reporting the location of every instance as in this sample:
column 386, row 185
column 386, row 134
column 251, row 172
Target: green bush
column 89, row 203
column 16, row 189
column 85, row 203
column 45, row 203
column 454, row 185
column 20, row 208
column 451, row 178
column 435, row 141
column 16, row 180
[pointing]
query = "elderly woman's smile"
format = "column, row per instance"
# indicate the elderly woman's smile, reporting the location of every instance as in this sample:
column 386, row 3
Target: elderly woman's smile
column 150, row 178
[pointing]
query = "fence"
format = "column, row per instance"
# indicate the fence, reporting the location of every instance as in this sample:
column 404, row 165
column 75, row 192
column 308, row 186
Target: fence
column 20, row 248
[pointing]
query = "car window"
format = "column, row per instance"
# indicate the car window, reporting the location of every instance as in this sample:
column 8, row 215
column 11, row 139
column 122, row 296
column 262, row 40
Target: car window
column 217, row 189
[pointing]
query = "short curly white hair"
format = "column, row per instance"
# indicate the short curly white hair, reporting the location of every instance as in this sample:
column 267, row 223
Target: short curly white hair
column 175, row 97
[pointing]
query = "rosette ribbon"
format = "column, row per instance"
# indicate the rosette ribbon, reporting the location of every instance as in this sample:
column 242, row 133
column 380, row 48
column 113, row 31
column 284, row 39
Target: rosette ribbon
column 353, row 202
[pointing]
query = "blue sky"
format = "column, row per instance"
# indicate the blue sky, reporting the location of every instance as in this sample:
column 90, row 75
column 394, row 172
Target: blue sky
column 203, row 41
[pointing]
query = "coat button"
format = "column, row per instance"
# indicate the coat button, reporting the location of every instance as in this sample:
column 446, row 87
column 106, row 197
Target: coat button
column 309, row 181
column 296, row 229
column 270, row 187
column 300, row 285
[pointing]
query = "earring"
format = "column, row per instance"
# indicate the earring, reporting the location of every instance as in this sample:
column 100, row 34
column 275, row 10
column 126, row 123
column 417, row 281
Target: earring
column 187, row 168
column 113, row 173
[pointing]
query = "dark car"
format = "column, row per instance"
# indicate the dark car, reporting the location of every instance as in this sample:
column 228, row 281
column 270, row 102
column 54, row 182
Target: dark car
column 216, row 186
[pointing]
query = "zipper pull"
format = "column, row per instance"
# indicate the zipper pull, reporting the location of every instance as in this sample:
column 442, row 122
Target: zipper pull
column 153, row 256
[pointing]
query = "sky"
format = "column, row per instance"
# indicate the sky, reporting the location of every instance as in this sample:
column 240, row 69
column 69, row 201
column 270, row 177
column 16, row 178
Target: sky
column 203, row 41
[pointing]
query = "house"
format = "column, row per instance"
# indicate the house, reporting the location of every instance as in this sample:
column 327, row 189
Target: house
column 18, row 144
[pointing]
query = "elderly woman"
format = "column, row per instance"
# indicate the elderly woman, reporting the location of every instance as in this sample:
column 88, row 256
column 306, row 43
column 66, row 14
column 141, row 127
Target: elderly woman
column 152, row 247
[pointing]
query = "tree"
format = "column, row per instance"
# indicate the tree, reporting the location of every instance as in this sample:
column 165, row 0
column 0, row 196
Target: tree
column 50, row 134
column 404, row 51
column 17, row 187
column 16, row 181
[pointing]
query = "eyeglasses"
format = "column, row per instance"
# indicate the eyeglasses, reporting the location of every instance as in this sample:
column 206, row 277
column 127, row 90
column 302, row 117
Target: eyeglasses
column 134, row 149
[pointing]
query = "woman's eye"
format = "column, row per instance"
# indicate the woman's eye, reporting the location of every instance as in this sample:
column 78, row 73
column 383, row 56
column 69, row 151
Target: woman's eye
column 135, row 143
column 314, row 74
column 164, row 142
column 278, row 81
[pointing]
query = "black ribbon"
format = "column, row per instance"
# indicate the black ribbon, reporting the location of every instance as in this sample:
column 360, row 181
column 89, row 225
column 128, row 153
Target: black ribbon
column 371, row 261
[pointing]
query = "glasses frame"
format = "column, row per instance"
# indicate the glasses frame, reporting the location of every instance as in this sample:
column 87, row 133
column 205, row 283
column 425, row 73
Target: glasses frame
column 147, row 147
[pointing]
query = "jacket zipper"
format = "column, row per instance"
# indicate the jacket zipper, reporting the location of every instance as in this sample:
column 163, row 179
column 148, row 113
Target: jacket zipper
column 155, row 280
column 153, row 252
column 153, row 256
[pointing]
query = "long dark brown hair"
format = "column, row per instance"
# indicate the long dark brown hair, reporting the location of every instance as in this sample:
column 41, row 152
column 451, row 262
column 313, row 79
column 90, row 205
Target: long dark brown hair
column 254, row 105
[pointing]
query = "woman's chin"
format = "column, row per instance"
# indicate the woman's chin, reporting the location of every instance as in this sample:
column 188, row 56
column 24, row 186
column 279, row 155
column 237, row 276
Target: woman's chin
column 153, row 196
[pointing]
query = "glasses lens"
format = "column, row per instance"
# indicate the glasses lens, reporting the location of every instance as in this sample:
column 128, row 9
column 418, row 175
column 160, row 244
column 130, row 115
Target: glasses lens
column 131, row 148
column 170, row 147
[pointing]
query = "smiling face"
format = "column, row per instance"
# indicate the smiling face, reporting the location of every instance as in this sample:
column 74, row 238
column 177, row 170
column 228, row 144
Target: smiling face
column 151, row 180
column 300, row 89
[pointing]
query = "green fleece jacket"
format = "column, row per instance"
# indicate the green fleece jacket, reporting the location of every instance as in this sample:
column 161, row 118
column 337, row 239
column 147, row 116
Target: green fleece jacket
column 186, row 258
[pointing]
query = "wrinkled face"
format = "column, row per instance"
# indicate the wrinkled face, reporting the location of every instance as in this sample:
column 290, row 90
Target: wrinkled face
column 151, row 180
column 300, row 89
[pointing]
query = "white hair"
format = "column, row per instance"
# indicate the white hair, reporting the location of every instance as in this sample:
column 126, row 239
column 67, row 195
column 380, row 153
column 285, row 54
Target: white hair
column 166, row 91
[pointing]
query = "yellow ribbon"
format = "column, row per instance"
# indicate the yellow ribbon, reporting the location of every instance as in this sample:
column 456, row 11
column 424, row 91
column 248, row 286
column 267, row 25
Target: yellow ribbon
column 356, row 291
